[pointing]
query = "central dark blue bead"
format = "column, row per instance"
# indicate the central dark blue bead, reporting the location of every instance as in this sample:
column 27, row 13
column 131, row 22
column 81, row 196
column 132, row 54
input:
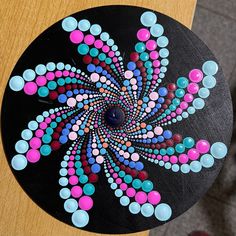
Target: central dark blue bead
column 114, row 117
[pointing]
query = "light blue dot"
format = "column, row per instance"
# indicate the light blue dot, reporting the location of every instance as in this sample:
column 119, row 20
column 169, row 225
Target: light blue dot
column 164, row 53
column 157, row 30
column 198, row 103
column 104, row 36
column 148, row 18
column 162, row 41
column 147, row 210
column 195, row 166
column 64, row 193
column 118, row 193
column 69, row 24
column 209, row 81
column 21, row 146
column 207, row 160
column 95, row 29
column 19, row 162
column 63, row 181
column 134, row 208
column 64, row 164
column 185, row 168
column 32, row 125
column 124, row 201
column 84, row 25
column 163, row 212
column 110, row 42
column 80, row 218
column 16, row 83
column 164, row 62
column 29, row 75
column 26, row 134
column 210, row 67
column 63, row 172
column 70, row 205
column 204, row 92
column 218, row 150
column 113, row 186
column 168, row 165
column 51, row 66
column 40, row 69
column 175, row 168
column 191, row 110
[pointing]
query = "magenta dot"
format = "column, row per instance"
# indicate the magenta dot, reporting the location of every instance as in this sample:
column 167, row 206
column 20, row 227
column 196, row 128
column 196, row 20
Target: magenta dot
column 151, row 45
column 173, row 159
column 156, row 63
column 89, row 39
column 154, row 197
column 35, row 143
column 73, row 180
column 183, row 158
column 193, row 154
column 111, row 54
column 50, row 76
column 41, row 80
column 130, row 192
column 43, row 125
column 166, row 158
column 33, row 155
column 157, row 71
column 76, row 191
column 183, row 105
column 154, row 55
column 70, row 164
column 58, row 73
column 39, row 133
column 66, row 73
column 202, row 146
column 143, row 34
column 76, row 36
column 140, row 197
column 188, row 97
column 179, row 111
column 123, row 186
column 195, row 75
column 86, row 203
column 98, row 43
column 30, row 88
column 118, row 181
column 193, row 88
column 105, row 48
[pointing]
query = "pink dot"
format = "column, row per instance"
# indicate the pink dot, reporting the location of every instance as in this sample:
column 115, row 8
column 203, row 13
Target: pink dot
column 43, row 125
column 195, row 75
column 183, row 158
column 154, row 55
column 118, row 181
column 105, row 48
column 71, row 171
column 58, row 73
column 33, row 155
column 173, row 159
column 179, row 111
column 188, row 97
column 89, row 39
column 66, row 73
column 73, row 180
column 202, row 146
column 48, row 120
column 157, row 71
column 165, row 158
column 193, row 154
column 35, row 143
column 86, row 203
column 143, row 34
column 76, row 191
column 41, row 80
column 183, row 105
column 151, row 45
column 193, row 88
column 50, row 76
column 154, row 197
column 130, row 192
column 76, row 36
column 98, row 43
column 39, row 133
column 111, row 54
column 156, row 63
column 70, row 163
column 123, row 186
column 140, row 197
column 30, row 88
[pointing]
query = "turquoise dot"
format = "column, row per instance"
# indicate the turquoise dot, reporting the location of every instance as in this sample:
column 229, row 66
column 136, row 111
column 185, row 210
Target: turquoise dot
column 21, row 146
column 46, row 138
column 170, row 150
column 89, row 189
column 40, row 69
column 83, row 49
column 210, row 67
column 188, row 142
column 179, row 93
column 80, row 218
column 19, row 162
column 147, row 210
column 83, row 179
column 49, row 131
column 207, row 160
column 218, row 150
column 104, row 36
column 128, row 179
column 16, row 83
column 64, row 193
column 118, row 193
column 45, row 150
column 140, row 47
column 198, row 103
column 26, row 134
column 52, row 85
column 95, row 29
column 84, row 25
column 203, row 92
column 124, row 201
column 144, row 56
column 69, row 24
column 148, row 18
column 70, row 205
column 163, row 212
column 93, row 52
column 137, row 183
column 29, row 75
column 63, row 181
column 185, row 168
column 162, row 41
column 147, row 186
column 43, row 91
column 164, row 53
column 180, row 148
column 134, row 208
column 182, row 82
column 157, row 30
column 209, row 81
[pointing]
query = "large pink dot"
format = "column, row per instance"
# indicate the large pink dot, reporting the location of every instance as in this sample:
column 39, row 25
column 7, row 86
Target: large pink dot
column 30, row 88
column 173, row 159
column 202, row 146
column 143, row 34
column 193, row 154
column 86, row 203
column 193, row 88
column 188, row 97
column 154, row 197
column 35, row 143
column 130, row 192
column 76, row 191
column 183, row 158
column 50, row 75
column 33, row 155
column 123, row 186
column 73, row 180
column 195, row 75
column 140, row 197
column 151, row 45
column 41, row 80
column 39, row 133
column 98, row 43
column 76, row 36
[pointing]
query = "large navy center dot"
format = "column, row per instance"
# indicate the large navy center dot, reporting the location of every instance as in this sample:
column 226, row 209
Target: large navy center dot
column 114, row 117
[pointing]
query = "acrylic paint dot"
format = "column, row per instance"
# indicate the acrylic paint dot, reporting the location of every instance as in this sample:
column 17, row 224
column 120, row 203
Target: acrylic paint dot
column 163, row 212
column 19, row 162
column 16, row 83
column 218, row 150
column 80, row 218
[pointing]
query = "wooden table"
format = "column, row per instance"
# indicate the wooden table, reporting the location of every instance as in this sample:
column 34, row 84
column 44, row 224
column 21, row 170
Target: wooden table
column 21, row 22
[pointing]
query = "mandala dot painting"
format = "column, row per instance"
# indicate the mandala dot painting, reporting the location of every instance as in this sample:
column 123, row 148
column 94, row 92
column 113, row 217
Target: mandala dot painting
column 116, row 119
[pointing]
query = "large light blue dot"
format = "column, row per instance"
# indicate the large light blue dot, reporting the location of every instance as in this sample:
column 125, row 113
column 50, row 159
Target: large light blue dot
column 185, row 168
column 147, row 209
column 19, row 162
column 134, row 208
column 70, row 205
column 204, row 92
column 163, row 212
column 40, row 69
column 198, row 103
column 124, row 201
column 195, row 166
column 210, row 67
column 16, row 83
column 29, row 75
column 209, row 81
column 207, row 160
column 157, row 30
column 63, row 181
column 218, row 150
column 104, row 36
column 21, row 146
column 162, row 41
column 64, row 193
column 95, row 29
column 32, row 125
column 80, row 218
column 148, row 18
column 84, row 25
column 26, row 134
column 69, row 24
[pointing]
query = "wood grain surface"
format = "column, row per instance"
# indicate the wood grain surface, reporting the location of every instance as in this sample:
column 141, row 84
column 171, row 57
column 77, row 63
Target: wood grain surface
column 21, row 22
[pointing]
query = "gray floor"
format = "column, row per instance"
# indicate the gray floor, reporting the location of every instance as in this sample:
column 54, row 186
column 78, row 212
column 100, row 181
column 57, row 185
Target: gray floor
column 215, row 24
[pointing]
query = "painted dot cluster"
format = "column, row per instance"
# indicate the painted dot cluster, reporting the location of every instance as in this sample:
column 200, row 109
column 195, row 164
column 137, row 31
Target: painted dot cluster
column 136, row 93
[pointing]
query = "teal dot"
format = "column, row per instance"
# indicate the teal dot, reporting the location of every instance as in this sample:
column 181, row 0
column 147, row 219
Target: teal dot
column 61, row 81
column 185, row 168
column 203, row 92
column 180, row 148
column 43, row 91
column 83, row 49
column 69, row 24
column 49, row 131
column 144, row 56
column 170, row 150
column 16, row 83
column 95, row 29
column 26, row 134
column 70, row 205
column 45, row 150
column 188, row 142
column 19, row 162
column 118, row 193
column 83, row 179
column 157, row 30
column 140, row 47
column 198, row 103
column 64, row 193
column 210, row 67
column 78, row 164
column 128, row 179
column 179, row 93
column 102, row 56
column 148, row 18
column 52, row 85
column 93, row 52
column 218, row 150
column 79, row 171
column 147, row 186
column 113, row 186
column 21, row 146
column 209, row 81
column 137, row 183
column 134, row 208
column 164, row 53
column 147, row 210
column 121, row 174
column 40, row 69
column 84, row 25
column 182, row 82
column 163, row 212
column 124, row 201
column 80, row 218
column 89, row 189
column 207, row 160
column 46, row 138
column 162, row 41
column 104, row 36
column 29, row 75
column 195, row 166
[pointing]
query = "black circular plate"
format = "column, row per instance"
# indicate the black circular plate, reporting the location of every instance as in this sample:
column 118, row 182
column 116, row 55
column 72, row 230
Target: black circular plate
column 116, row 119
